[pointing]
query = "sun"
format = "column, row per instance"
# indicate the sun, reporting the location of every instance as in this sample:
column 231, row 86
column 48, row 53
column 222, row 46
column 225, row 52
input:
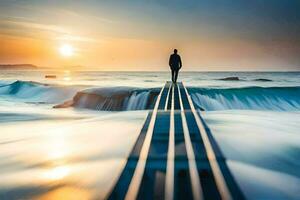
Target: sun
column 66, row 50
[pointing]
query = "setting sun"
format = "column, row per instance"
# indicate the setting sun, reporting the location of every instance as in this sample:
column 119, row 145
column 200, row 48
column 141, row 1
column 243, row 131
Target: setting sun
column 66, row 50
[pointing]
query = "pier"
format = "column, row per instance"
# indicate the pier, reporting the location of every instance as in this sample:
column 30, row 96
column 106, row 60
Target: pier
column 175, row 155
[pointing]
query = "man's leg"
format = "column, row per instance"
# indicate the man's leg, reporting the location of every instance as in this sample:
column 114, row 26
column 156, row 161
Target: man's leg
column 176, row 75
column 173, row 75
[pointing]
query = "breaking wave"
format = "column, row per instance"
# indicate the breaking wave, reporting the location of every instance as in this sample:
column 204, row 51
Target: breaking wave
column 129, row 98
column 114, row 99
column 250, row 98
column 110, row 99
column 35, row 92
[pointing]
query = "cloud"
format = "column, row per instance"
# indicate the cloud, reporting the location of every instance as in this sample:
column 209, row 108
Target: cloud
column 77, row 38
column 16, row 23
column 22, row 27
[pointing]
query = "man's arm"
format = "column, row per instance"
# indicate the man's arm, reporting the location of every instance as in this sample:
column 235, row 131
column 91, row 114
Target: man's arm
column 180, row 63
column 170, row 61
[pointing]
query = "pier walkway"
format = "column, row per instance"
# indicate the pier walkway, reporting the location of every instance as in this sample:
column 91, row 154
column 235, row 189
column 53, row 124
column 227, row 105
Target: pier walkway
column 175, row 155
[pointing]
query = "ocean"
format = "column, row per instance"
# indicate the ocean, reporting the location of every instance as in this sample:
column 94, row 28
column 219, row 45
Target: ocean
column 70, row 136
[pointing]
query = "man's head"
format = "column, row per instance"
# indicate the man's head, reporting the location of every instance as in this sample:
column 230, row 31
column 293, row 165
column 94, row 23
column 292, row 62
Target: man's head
column 175, row 51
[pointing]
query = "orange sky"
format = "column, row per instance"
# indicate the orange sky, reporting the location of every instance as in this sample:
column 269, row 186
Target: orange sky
column 133, row 39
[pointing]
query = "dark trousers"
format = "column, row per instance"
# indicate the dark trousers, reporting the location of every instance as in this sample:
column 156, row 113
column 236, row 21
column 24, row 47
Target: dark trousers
column 174, row 75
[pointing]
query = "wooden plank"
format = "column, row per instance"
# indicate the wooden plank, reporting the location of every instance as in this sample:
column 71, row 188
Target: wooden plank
column 164, row 96
column 122, row 184
column 167, row 100
column 175, row 155
column 139, row 170
column 196, row 187
column 219, row 178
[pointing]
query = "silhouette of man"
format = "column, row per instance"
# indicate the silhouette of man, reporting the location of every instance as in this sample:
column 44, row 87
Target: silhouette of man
column 175, row 65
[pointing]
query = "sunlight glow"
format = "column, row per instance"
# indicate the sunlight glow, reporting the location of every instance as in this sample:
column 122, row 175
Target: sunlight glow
column 66, row 192
column 66, row 50
column 57, row 173
column 58, row 147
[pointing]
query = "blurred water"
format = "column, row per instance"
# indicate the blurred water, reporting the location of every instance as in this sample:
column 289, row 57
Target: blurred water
column 76, row 153
column 64, row 154
column 262, row 148
column 154, row 79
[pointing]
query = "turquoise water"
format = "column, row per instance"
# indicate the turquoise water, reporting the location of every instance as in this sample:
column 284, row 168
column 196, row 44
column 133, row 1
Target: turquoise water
column 79, row 151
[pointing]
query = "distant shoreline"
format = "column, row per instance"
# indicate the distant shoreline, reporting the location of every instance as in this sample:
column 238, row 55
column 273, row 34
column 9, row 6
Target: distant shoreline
column 18, row 67
column 35, row 67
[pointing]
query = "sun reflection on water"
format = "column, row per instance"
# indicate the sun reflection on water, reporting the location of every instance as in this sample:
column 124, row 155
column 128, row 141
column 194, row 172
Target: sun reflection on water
column 67, row 76
column 57, row 173
column 57, row 154
column 67, row 192
column 58, row 148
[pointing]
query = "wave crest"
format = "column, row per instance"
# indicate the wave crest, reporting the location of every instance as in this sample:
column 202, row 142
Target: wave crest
column 30, row 91
column 128, row 98
column 114, row 99
column 251, row 98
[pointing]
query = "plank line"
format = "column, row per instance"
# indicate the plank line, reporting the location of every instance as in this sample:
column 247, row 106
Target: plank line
column 194, row 175
column 167, row 100
column 169, row 185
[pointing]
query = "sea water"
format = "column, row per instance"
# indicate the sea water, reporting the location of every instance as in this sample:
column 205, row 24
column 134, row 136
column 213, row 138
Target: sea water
column 79, row 151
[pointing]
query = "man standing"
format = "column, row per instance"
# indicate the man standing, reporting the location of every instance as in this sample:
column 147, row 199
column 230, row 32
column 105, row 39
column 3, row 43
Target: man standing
column 175, row 65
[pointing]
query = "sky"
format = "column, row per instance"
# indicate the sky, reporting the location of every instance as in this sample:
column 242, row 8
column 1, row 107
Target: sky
column 210, row 35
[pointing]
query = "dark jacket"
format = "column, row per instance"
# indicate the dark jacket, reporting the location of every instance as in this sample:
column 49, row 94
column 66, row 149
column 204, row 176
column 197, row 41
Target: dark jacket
column 175, row 62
